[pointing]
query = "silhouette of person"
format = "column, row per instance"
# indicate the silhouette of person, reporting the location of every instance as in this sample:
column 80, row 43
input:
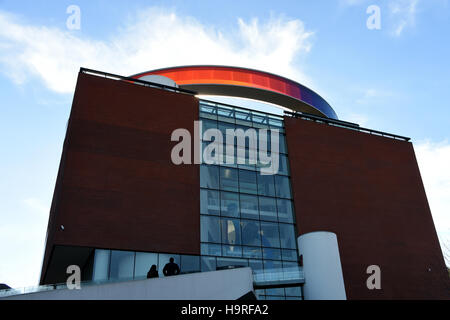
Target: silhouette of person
column 171, row 268
column 152, row 273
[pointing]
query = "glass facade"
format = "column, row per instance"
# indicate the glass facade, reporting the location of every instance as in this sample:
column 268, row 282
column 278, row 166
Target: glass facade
column 118, row 265
column 246, row 217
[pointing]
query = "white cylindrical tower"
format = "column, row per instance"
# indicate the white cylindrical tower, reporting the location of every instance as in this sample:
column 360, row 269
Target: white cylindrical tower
column 321, row 266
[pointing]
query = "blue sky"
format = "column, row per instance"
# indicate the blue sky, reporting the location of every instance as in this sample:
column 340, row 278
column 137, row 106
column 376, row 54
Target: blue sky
column 394, row 79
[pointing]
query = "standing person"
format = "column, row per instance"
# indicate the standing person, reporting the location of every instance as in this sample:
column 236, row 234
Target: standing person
column 152, row 273
column 171, row 268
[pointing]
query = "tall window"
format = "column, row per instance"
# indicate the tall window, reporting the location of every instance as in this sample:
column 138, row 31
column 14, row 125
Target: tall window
column 247, row 218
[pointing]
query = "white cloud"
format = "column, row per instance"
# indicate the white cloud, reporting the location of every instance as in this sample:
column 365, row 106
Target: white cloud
column 22, row 240
column 357, row 118
column 372, row 96
column 154, row 38
column 404, row 13
column 433, row 159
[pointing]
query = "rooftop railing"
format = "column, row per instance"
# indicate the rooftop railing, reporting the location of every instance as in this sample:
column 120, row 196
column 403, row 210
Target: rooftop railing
column 344, row 124
column 135, row 81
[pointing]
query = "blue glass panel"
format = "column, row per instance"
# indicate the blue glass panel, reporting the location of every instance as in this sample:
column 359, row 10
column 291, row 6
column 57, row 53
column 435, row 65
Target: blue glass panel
column 209, row 249
column 210, row 229
column 249, row 206
column 229, row 179
column 289, row 255
column 207, row 124
column 266, row 186
column 256, row 265
column 283, row 167
column 209, row 177
column 247, row 181
column 282, row 187
column 287, row 236
column 226, row 262
column 122, row 265
column 208, row 264
column 189, row 264
column 229, row 204
column 231, row 231
column 208, row 111
column 209, row 202
column 270, row 236
column 251, row 233
column 267, row 209
column 271, row 253
column 232, row 251
column 252, row 252
column 285, row 212
column 143, row 263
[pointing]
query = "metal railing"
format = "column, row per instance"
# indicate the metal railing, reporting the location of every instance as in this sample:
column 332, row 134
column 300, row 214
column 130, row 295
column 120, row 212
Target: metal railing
column 277, row 278
column 344, row 124
column 135, row 81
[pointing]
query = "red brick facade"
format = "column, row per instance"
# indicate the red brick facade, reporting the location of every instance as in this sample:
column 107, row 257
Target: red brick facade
column 367, row 189
column 117, row 187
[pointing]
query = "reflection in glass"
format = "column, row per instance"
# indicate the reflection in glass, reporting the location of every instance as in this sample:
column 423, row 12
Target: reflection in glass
column 209, row 177
column 143, row 263
column 266, row 185
column 231, row 231
column 208, row 264
column 122, row 265
column 270, row 265
column 283, row 165
column 287, row 236
column 289, row 255
column 293, row 291
column 208, row 124
column 251, row 233
column 210, row 229
column 282, row 186
column 275, row 292
column 268, row 209
column 252, row 252
column 249, row 206
column 101, row 265
column 271, row 253
column 285, row 213
column 247, row 181
column 232, row 251
column 226, row 262
column 190, row 264
column 269, row 235
column 209, row 202
column 229, row 203
column 229, row 179
column 207, row 111
column 256, row 265
column 209, row 249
